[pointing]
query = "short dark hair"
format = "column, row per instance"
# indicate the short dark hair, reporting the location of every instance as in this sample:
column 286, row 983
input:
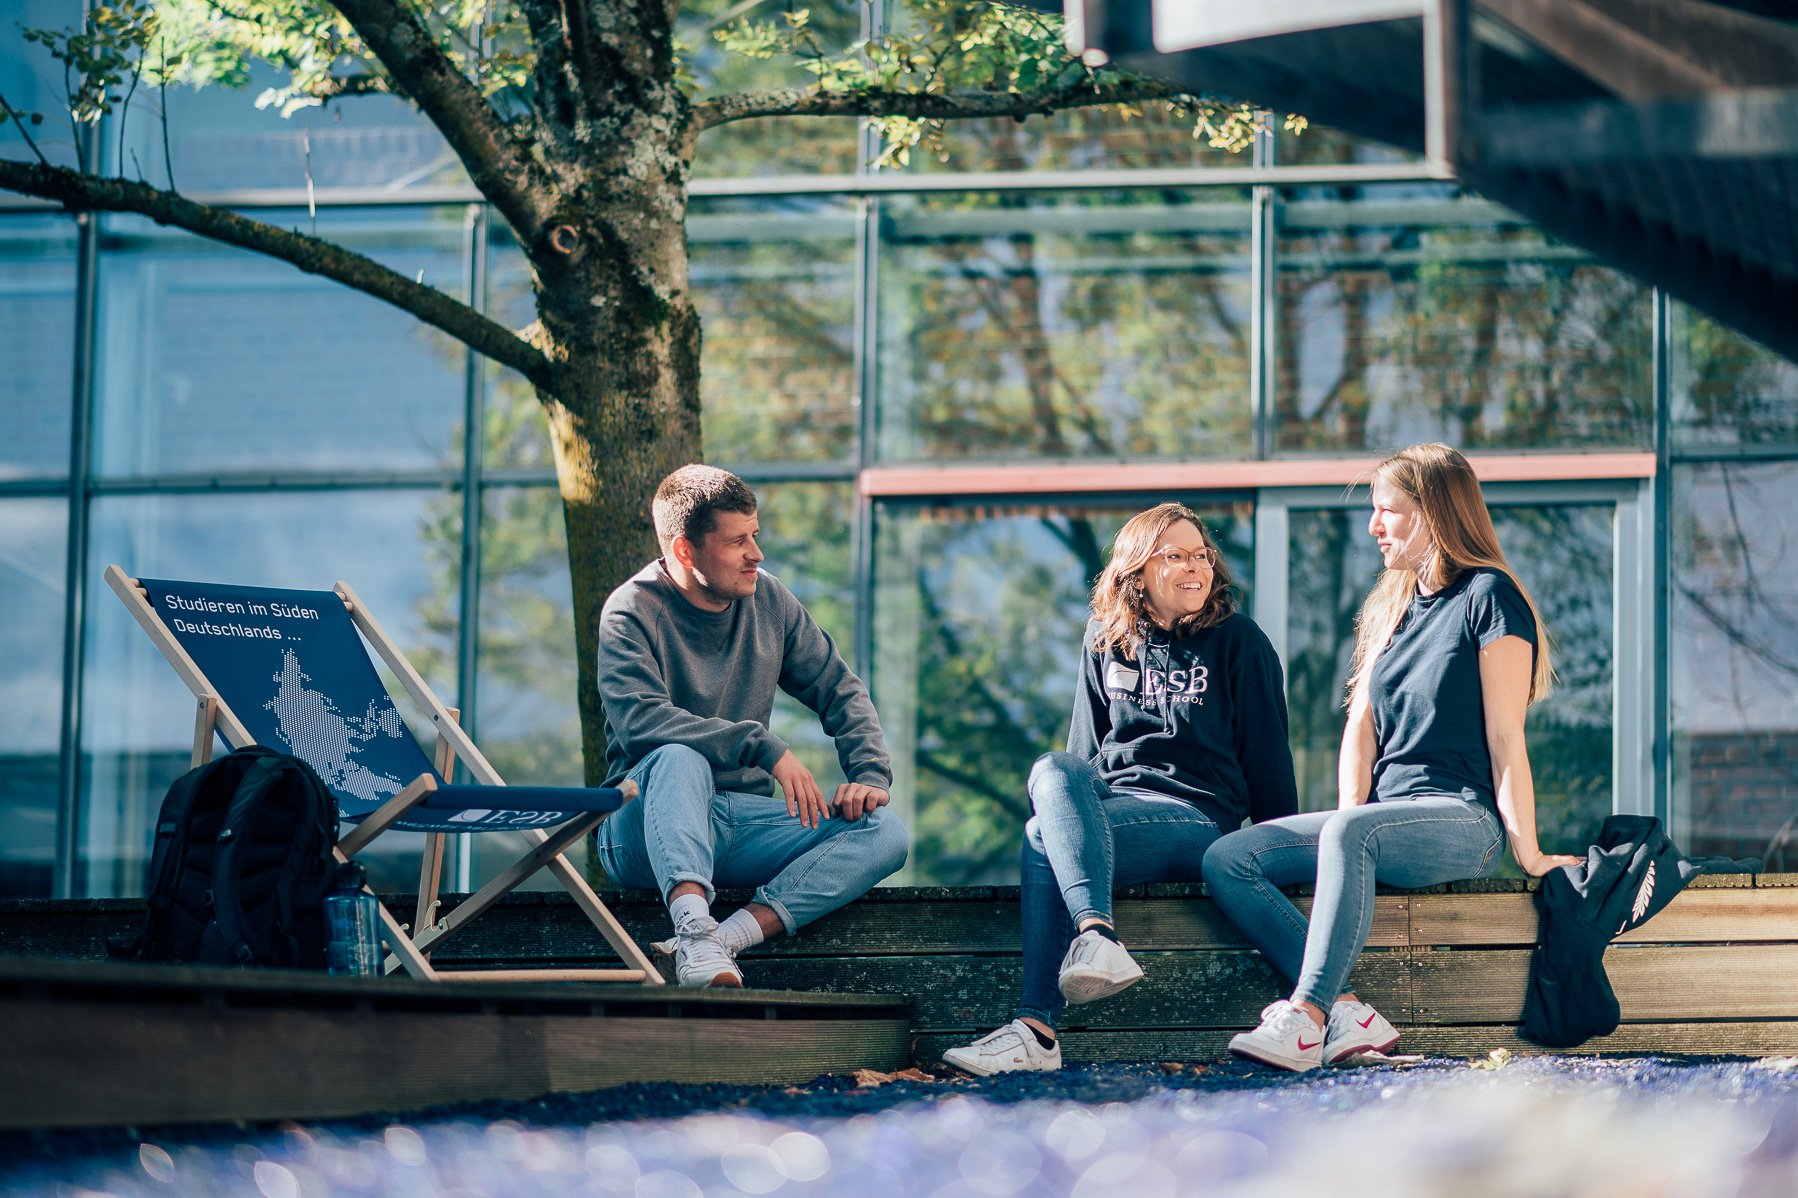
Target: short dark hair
column 689, row 500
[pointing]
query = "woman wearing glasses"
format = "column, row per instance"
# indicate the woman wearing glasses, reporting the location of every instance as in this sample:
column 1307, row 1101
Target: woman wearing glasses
column 1178, row 733
column 1449, row 652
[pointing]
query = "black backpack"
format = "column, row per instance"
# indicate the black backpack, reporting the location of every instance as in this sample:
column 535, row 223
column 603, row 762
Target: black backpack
column 242, row 863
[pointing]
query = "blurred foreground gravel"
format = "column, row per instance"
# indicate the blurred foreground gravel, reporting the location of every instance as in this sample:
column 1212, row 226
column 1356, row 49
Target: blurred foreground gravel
column 1536, row 1127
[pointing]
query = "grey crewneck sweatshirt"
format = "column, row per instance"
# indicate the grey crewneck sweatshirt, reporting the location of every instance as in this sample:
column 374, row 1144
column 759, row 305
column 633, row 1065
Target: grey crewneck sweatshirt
column 673, row 673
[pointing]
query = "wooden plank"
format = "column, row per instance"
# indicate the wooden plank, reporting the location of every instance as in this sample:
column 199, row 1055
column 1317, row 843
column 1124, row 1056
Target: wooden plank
column 1721, row 1038
column 873, row 929
column 1211, row 1047
column 978, row 993
column 1656, row 983
column 74, row 1064
column 1079, row 1047
column 1703, row 915
column 1198, row 924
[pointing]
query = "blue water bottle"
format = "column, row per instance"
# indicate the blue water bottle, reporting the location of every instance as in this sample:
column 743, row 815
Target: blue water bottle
column 352, row 924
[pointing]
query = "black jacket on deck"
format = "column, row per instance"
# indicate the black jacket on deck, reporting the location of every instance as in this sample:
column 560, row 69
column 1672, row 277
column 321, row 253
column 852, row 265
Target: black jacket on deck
column 1631, row 873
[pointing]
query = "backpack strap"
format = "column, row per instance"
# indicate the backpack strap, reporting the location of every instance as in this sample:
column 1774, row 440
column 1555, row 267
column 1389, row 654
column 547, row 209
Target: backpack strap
column 227, row 875
column 168, row 858
column 314, row 834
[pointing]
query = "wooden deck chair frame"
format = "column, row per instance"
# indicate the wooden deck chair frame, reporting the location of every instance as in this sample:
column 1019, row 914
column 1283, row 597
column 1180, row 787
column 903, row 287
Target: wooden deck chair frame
column 453, row 744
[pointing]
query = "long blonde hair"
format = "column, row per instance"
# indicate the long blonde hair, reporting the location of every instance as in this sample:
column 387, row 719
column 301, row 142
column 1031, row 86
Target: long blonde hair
column 1120, row 616
column 1462, row 538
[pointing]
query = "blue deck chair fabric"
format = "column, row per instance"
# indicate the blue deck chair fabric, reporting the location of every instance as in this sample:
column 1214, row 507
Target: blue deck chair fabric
column 293, row 668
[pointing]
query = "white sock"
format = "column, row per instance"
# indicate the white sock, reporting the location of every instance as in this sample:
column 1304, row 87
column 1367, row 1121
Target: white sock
column 688, row 907
column 740, row 931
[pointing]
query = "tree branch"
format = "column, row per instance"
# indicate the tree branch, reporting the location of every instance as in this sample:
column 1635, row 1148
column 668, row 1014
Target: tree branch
column 86, row 193
column 340, row 86
column 1080, row 91
column 408, row 50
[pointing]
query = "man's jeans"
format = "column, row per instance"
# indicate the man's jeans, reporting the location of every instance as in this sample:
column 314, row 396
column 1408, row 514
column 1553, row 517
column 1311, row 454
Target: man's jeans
column 1409, row 842
column 1084, row 839
column 683, row 830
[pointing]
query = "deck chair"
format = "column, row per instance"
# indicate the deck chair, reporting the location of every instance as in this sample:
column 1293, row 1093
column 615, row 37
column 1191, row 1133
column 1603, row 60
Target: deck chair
column 287, row 670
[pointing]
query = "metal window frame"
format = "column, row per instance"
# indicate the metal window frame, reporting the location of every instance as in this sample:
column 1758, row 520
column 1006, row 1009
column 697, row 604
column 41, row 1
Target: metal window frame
column 1642, row 756
column 1637, row 659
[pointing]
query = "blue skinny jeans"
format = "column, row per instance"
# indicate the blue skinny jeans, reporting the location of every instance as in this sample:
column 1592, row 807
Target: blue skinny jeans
column 683, row 829
column 1084, row 838
column 1409, row 842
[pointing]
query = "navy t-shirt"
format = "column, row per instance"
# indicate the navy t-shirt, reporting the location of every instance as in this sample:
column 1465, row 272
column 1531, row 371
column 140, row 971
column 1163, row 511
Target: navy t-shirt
column 1429, row 722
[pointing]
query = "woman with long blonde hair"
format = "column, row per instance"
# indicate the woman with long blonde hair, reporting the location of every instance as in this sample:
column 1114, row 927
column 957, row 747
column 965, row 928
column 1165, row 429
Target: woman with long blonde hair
column 1178, row 733
column 1450, row 651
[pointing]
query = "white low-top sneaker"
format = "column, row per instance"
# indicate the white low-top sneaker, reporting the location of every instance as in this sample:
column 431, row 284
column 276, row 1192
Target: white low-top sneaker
column 701, row 958
column 1096, row 968
column 1287, row 1038
column 1014, row 1048
column 1355, row 1028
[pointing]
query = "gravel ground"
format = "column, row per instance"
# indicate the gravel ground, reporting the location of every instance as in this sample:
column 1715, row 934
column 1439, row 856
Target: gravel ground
column 1535, row 1127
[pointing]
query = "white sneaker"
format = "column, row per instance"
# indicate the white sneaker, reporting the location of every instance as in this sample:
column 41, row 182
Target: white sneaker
column 700, row 957
column 1096, row 968
column 1286, row 1038
column 1355, row 1027
column 1014, row 1048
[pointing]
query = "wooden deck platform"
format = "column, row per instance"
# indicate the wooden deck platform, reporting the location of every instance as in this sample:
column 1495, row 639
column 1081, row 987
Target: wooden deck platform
column 1715, row 973
column 106, row 1043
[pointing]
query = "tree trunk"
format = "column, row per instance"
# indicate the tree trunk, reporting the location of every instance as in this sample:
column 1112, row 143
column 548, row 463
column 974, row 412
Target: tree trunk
column 613, row 445
column 618, row 321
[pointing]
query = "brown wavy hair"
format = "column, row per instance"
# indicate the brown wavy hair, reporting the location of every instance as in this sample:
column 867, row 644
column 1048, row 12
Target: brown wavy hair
column 1448, row 494
column 1120, row 617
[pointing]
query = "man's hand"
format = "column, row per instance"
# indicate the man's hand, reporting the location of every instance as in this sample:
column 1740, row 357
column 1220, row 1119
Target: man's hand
column 854, row 799
column 804, row 799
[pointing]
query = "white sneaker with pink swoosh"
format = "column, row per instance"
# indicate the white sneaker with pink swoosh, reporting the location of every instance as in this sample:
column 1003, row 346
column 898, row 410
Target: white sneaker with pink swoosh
column 1354, row 1028
column 1287, row 1038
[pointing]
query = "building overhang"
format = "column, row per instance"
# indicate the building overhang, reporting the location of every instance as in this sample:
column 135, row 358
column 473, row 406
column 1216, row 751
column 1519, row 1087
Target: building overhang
column 1661, row 135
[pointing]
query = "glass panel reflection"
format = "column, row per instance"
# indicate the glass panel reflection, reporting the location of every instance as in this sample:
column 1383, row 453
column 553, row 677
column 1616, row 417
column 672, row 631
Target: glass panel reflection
column 979, row 613
column 528, row 723
column 775, row 287
column 220, row 138
column 1563, row 553
column 138, row 716
column 33, row 549
column 1412, row 314
column 1032, row 327
column 1728, row 390
column 1735, row 661
column 218, row 360
column 767, row 145
column 33, row 82
column 1078, row 139
column 37, row 345
column 774, row 282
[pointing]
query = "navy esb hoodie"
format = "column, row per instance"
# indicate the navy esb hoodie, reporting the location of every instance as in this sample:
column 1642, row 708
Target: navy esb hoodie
column 1201, row 718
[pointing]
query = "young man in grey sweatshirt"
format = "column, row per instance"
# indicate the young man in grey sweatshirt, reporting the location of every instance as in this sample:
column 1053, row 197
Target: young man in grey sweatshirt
column 690, row 652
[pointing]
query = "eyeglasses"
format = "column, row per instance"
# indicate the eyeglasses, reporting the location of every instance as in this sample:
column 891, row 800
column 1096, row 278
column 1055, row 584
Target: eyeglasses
column 1177, row 559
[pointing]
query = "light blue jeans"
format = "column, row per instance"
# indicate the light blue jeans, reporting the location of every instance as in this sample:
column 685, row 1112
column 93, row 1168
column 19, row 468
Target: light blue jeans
column 682, row 829
column 1083, row 839
column 1410, row 842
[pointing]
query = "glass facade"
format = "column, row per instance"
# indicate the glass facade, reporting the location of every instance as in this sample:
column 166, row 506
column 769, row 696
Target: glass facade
column 37, row 345
column 978, row 615
column 1094, row 347
column 1735, row 659
column 33, row 557
column 1097, row 326
column 1563, row 553
column 1414, row 313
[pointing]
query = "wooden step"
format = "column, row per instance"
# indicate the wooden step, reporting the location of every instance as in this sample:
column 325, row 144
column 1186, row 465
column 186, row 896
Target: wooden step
column 92, row 1044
